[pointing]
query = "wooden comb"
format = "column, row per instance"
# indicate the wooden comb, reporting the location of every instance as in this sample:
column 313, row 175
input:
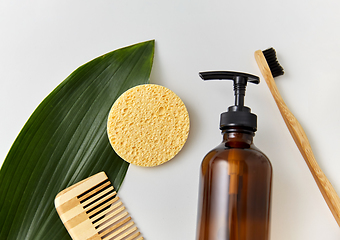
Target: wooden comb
column 91, row 210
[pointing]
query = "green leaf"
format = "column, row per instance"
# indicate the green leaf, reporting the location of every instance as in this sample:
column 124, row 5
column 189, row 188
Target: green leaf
column 65, row 141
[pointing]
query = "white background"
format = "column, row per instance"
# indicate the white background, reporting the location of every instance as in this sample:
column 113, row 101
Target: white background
column 42, row 42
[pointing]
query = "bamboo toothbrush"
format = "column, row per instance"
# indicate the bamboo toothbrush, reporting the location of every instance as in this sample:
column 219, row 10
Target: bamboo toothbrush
column 270, row 68
column 91, row 210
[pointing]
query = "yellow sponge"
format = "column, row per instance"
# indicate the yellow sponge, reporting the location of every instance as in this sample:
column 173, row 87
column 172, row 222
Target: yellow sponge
column 148, row 125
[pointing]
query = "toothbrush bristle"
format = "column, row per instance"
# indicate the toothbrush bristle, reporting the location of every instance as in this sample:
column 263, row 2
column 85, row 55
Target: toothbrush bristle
column 275, row 67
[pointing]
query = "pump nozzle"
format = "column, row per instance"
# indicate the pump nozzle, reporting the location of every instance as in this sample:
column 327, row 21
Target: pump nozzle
column 237, row 115
column 240, row 82
column 229, row 75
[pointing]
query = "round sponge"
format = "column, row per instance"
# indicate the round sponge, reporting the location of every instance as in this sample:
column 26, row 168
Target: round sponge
column 148, row 125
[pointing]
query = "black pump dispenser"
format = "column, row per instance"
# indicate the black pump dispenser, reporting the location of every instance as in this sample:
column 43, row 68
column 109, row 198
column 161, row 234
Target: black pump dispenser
column 237, row 116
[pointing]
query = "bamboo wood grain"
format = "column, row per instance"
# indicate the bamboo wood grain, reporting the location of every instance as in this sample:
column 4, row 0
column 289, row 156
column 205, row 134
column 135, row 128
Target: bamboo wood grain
column 91, row 210
column 301, row 140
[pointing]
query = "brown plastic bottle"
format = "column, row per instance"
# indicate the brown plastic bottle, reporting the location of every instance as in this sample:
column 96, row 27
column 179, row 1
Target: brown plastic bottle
column 235, row 180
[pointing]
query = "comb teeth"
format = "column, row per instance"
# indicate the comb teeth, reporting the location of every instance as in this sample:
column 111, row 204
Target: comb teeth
column 92, row 210
column 275, row 67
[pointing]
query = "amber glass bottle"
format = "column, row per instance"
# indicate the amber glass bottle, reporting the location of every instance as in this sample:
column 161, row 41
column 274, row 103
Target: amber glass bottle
column 235, row 181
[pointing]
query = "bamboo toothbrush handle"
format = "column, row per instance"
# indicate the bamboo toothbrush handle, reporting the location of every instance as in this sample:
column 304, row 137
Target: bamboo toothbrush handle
column 301, row 140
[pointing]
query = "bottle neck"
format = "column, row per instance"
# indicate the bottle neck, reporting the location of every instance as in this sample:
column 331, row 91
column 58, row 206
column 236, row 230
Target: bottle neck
column 238, row 138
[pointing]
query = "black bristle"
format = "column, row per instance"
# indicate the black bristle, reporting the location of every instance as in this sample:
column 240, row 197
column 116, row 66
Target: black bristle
column 274, row 65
